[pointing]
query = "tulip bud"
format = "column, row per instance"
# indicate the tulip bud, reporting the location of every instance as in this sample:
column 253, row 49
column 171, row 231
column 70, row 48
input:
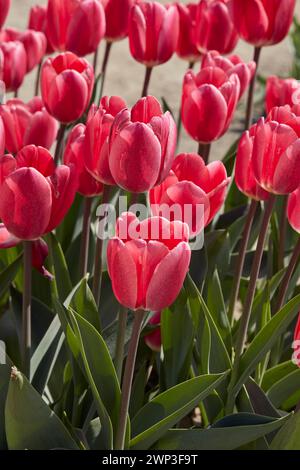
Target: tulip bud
column 153, row 339
column 186, row 46
column 214, row 27
column 65, row 18
column 147, row 271
column 117, row 18
column 74, row 154
column 142, row 146
column 4, row 9
column 209, row 101
column 26, row 124
column 35, row 196
column 153, row 32
column 13, row 64
column 263, row 23
column 67, row 84
column 38, row 22
column 280, row 92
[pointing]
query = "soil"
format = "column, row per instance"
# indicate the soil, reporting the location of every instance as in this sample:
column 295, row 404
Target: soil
column 125, row 76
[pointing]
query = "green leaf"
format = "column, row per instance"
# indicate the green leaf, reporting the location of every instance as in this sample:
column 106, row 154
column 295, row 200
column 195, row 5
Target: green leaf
column 29, row 422
column 265, row 339
column 288, row 438
column 220, row 438
column 277, row 373
column 285, row 393
column 8, row 274
column 62, row 275
column 82, row 301
column 166, row 409
column 4, row 383
column 259, row 401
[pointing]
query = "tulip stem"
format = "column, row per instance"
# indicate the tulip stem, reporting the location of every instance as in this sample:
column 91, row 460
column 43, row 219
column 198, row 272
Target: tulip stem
column 85, row 236
column 204, row 151
column 60, row 139
column 282, row 233
column 241, row 259
column 104, row 66
column 37, row 80
column 121, row 337
column 179, row 120
column 244, row 321
column 95, row 61
column 97, row 280
column 26, row 309
column 147, row 81
column 287, row 277
column 128, row 376
column 249, row 109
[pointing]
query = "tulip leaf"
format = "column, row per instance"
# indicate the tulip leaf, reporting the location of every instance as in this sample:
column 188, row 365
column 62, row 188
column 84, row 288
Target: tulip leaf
column 8, row 274
column 62, row 275
column 288, row 437
column 4, row 383
column 265, row 340
column 220, row 437
column 285, row 393
column 276, row 373
column 168, row 408
column 29, row 422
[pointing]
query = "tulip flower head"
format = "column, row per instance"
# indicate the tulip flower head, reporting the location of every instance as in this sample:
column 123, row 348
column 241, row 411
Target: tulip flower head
column 153, row 32
column 209, row 101
column 186, row 46
column 38, row 22
column 67, row 84
column 13, row 64
column 296, row 344
column 153, row 339
column 117, row 18
column 263, row 22
column 35, row 196
column 280, row 92
column 142, row 146
column 26, row 124
column 148, row 261
column 214, row 27
column 192, row 183
column 4, row 9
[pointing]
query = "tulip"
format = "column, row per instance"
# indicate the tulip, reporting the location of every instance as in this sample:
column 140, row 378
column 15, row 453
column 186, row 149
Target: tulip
column 153, row 32
column 153, row 339
column 74, row 154
column 4, row 9
column 117, row 18
column 35, row 196
column 97, row 131
column 293, row 210
column 67, row 84
column 75, row 25
column 296, row 344
column 191, row 182
column 280, row 92
column 263, row 22
column 142, row 146
column 209, row 101
column 2, row 137
column 214, row 27
column 147, row 271
column 186, row 47
column 13, row 64
column 231, row 65
column 38, row 22
column 26, row 124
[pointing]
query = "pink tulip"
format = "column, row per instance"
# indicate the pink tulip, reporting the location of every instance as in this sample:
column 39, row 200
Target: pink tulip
column 186, row 46
column 280, row 92
column 4, row 9
column 13, row 64
column 38, row 22
column 117, row 18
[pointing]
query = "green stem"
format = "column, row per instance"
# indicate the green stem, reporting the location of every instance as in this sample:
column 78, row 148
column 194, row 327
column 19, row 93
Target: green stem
column 249, row 109
column 120, row 344
column 37, row 80
column 128, row 376
column 287, row 277
column 282, row 234
column 26, row 309
column 147, row 81
column 85, row 236
column 59, row 145
column 241, row 259
column 204, row 151
column 244, row 321
column 104, row 66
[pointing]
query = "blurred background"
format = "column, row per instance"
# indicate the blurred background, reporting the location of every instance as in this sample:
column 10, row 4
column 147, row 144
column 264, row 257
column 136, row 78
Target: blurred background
column 125, row 76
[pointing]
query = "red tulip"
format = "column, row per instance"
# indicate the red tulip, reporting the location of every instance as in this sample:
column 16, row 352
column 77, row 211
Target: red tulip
column 4, row 9
column 27, row 124
column 191, row 182
column 209, row 101
column 214, row 26
column 38, row 22
column 13, row 64
column 231, row 65
column 142, row 146
column 147, row 270
column 2, row 137
column 117, row 18
column 35, row 196
column 153, row 339
column 39, row 250
column 75, row 25
column 97, row 131
column 74, row 154
column 67, row 84
column 286, row 115
column 280, row 92
column 293, row 210
column 153, row 32
column 296, row 344
column 186, row 47
column 263, row 22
